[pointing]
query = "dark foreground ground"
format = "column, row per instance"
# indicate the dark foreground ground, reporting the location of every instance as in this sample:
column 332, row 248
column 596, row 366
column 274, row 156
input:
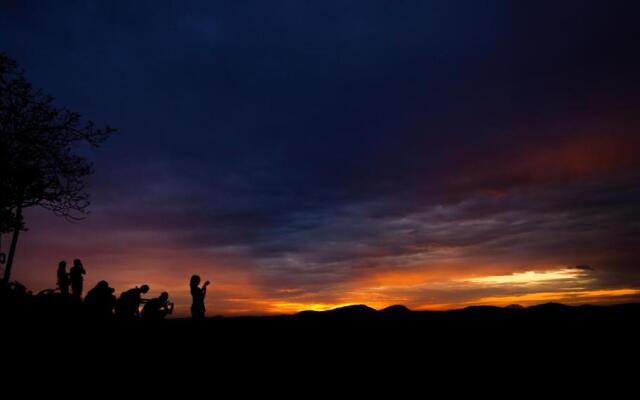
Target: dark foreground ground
column 542, row 342
column 396, row 327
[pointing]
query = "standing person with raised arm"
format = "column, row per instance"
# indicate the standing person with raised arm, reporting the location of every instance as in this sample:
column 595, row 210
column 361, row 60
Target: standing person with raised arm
column 198, row 294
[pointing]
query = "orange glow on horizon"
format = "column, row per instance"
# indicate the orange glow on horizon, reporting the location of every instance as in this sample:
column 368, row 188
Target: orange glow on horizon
column 450, row 283
column 398, row 287
column 569, row 297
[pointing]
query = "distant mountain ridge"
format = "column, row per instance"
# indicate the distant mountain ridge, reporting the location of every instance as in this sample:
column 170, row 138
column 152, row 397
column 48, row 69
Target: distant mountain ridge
column 362, row 310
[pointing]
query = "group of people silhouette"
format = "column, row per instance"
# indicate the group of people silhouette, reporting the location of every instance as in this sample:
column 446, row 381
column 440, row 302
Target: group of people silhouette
column 73, row 278
column 100, row 301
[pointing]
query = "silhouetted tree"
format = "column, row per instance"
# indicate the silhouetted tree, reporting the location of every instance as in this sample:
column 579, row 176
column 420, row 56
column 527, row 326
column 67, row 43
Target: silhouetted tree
column 37, row 159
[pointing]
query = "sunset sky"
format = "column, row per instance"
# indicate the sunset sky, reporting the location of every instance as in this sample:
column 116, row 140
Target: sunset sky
column 312, row 154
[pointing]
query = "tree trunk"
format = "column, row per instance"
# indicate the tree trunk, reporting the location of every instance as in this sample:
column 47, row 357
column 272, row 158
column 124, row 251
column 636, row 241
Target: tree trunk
column 14, row 243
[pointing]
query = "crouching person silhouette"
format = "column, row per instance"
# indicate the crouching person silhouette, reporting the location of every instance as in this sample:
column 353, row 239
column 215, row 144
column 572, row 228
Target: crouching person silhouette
column 198, row 294
column 157, row 308
column 99, row 301
column 128, row 304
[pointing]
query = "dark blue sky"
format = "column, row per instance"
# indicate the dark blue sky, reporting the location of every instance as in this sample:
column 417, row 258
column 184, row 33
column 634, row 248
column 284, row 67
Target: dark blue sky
column 318, row 153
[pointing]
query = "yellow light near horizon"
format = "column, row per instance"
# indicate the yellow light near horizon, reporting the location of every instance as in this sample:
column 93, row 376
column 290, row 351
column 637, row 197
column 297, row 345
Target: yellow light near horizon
column 565, row 296
column 607, row 293
column 288, row 307
column 528, row 277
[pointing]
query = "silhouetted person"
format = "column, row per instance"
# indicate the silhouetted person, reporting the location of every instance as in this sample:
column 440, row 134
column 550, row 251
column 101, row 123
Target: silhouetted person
column 18, row 288
column 100, row 300
column 63, row 278
column 158, row 307
column 75, row 273
column 128, row 305
column 198, row 294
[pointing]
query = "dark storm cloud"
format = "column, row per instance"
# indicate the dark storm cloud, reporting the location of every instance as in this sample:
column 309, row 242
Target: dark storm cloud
column 317, row 141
